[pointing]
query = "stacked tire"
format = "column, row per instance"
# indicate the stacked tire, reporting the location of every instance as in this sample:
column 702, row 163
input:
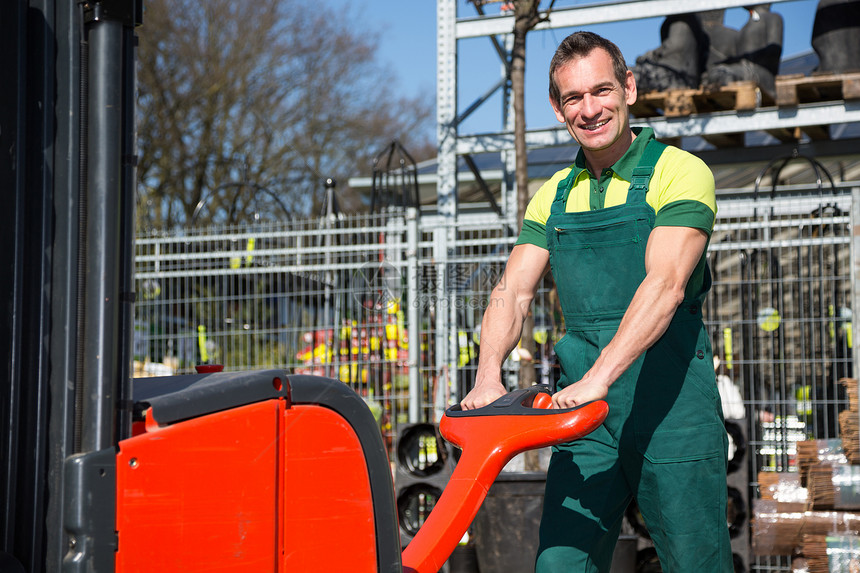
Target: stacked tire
column 738, row 483
column 423, row 465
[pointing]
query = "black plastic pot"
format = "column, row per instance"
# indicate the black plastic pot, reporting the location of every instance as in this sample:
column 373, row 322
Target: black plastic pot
column 506, row 527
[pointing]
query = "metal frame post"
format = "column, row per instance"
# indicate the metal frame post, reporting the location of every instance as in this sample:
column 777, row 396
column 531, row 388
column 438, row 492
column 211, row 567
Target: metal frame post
column 412, row 316
column 446, row 107
column 64, row 274
column 446, row 117
column 103, row 249
column 855, row 279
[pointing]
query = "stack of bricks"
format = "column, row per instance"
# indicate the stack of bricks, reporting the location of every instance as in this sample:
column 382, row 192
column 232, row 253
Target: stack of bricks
column 849, row 420
column 786, row 513
column 834, row 485
column 813, row 515
column 828, row 553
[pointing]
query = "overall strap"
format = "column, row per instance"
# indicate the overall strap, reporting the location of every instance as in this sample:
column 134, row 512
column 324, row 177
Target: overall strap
column 643, row 172
column 639, row 182
column 562, row 191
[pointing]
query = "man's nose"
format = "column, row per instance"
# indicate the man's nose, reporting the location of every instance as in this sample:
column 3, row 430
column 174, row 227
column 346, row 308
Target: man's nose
column 590, row 106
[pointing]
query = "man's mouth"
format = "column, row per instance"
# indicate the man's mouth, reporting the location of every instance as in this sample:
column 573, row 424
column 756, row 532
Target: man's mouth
column 594, row 126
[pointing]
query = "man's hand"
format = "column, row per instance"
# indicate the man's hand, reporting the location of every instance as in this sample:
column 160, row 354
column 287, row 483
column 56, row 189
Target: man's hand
column 580, row 393
column 482, row 395
column 502, row 324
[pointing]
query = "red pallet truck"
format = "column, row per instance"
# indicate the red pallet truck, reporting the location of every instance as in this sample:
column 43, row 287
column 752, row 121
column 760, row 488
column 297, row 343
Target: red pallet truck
column 262, row 471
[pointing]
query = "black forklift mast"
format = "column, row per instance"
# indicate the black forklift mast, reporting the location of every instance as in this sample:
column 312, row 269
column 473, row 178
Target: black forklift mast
column 67, row 175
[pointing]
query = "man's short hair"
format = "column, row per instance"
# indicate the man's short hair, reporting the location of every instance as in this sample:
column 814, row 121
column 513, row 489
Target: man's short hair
column 579, row 45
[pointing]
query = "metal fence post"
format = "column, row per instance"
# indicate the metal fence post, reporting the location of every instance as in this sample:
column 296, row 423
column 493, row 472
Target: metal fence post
column 855, row 278
column 328, row 276
column 453, row 329
column 413, row 296
column 440, row 256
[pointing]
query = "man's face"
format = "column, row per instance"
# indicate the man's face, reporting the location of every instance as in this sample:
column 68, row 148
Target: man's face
column 593, row 104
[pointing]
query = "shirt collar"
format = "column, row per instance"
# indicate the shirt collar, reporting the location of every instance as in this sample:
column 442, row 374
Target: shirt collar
column 627, row 162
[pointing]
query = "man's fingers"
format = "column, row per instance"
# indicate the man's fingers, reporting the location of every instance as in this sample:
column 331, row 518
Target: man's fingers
column 474, row 404
column 561, row 401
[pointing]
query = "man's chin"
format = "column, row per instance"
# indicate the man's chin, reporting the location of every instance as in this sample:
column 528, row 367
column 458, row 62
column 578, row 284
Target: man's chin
column 594, row 144
column 594, row 140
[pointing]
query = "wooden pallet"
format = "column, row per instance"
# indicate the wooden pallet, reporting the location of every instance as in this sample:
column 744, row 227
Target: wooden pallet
column 737, row 96
column 794, row 134
column 795, row 89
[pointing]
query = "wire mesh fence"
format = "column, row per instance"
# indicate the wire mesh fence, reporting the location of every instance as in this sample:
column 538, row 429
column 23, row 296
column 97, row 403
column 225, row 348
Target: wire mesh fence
column 391, row 304
column 310, row 296
column 780, row 318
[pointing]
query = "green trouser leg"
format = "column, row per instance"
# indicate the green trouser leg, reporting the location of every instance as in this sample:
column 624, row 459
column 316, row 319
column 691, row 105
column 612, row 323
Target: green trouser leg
column 585, row 502
column 583, row 507
column 688, row 529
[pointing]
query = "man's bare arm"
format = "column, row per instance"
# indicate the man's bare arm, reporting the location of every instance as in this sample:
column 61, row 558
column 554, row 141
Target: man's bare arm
column 502, row 324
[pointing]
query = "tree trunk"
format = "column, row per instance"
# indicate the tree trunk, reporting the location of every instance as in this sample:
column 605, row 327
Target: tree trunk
column 526, row 17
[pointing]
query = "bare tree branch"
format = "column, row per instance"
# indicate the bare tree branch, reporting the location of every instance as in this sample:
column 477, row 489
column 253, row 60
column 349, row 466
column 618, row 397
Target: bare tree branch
column 245, row 105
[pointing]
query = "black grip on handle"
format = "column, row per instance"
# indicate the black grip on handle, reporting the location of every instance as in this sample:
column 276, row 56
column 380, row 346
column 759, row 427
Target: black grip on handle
column 517, row 402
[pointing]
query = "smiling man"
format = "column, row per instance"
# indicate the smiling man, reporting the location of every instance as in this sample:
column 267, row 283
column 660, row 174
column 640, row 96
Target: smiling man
column 624, row 231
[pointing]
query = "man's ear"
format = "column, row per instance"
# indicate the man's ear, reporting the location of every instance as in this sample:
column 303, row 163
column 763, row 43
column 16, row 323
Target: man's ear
column 630, row 88
column 555, row 107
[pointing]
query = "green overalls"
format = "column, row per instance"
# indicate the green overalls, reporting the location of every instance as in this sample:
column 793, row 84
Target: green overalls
column 664, row 442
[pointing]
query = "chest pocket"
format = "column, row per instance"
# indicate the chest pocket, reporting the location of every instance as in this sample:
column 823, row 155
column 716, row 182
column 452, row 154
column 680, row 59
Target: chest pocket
column 598, row 257
column 599, row 261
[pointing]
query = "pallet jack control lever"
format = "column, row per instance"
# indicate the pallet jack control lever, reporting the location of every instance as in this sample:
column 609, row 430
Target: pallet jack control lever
column 490, row 437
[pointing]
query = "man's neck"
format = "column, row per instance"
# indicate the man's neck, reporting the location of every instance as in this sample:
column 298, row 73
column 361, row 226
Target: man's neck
column 597, row 161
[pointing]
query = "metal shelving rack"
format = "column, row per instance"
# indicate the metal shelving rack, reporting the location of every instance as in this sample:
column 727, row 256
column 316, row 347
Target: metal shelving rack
column 451, row 29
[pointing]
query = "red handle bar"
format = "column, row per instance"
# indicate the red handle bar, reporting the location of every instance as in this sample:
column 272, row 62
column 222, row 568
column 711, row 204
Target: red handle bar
column 490, row 437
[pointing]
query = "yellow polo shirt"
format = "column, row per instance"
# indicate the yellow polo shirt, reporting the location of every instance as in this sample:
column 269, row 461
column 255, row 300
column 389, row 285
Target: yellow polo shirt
column 681, row 192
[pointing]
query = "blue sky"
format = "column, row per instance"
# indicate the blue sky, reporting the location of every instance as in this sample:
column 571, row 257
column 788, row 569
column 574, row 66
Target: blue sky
column 407, row 30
